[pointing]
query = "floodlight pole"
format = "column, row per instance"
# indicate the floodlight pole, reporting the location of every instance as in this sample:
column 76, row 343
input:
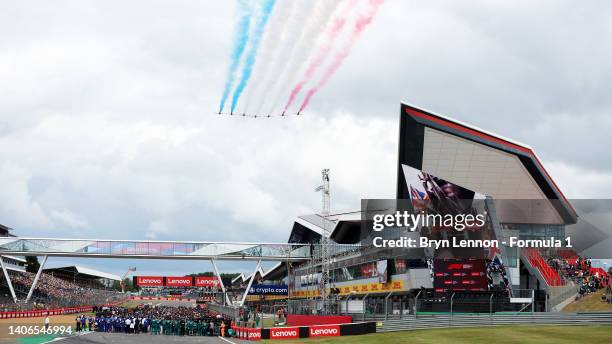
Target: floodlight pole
column 8, row 279
column 214, row 264
column 246, row 292
column 325, row 239
column 40, row 269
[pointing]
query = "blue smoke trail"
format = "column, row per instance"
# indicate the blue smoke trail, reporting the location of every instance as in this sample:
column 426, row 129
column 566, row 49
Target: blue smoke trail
column 266, row 9
column 240, row 42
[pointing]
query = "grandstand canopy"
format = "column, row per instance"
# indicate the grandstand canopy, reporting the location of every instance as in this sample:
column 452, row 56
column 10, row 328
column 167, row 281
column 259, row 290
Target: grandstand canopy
column 480, row 161
column 80, row 273
column 344, row 228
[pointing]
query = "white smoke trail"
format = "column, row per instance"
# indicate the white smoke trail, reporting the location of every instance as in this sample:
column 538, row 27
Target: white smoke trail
column 293, row 30
column 298, row 53
column 268, row 49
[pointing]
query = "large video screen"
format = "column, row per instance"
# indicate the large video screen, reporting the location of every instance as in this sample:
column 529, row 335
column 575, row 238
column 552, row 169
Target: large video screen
column 460, row 275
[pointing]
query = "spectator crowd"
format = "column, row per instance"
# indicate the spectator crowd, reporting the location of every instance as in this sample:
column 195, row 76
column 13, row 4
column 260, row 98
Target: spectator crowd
column 52, row 292
column 580, row 271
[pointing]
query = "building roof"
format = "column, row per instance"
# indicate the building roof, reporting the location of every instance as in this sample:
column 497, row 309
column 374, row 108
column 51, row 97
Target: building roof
column 344, row 228
column 243, row 278
column 476, row 159
column 83, row 272
column 5, row 231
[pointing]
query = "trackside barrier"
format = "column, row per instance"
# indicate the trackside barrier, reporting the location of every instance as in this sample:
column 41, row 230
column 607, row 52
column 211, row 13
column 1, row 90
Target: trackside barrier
column 47, row 312
column 44, row 313
column 157, row 298
column 295, row 332
column 254, row 334
column 429, row 321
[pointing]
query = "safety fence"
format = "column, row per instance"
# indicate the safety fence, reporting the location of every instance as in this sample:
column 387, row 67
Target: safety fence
column 228, row 311
column 424, row 321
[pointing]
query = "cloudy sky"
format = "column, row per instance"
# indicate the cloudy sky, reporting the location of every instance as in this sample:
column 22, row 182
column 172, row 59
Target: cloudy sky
column 107, row 124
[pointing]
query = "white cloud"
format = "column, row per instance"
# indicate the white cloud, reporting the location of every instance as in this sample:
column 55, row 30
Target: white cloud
column 16, row 205
column 107, row 124
column 69, row 219
column 579, row 182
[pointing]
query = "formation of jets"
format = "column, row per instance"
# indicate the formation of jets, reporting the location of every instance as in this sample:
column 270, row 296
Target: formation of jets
column 244, row 114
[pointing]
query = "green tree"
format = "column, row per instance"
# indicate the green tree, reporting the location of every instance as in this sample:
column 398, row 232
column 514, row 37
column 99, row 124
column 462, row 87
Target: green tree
column 32, row 264
column 129, row 286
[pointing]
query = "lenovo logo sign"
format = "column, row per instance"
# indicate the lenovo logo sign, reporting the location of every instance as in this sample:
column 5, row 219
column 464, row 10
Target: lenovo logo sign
column 205, row 281
column 284, row 333
column 324, row 331
column 254, row 334
column 149, row 281
column 179, row 281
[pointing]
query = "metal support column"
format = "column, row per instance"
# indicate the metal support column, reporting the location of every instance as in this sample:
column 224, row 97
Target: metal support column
column 387, row 305
column 226, row 298
column 451, row 310
column 246, row 292
column 364, row 304
column 33, row 287
column 416, row 303
column 532, row 301
column 8, row 279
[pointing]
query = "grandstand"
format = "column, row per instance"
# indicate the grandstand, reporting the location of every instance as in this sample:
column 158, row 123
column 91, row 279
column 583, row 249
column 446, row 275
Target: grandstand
column 83, row 276
column 520, row 197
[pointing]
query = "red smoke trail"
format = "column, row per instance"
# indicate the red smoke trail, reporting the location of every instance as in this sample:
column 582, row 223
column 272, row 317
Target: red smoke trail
column 362, row 22
column 316, row 62
column 332, row 33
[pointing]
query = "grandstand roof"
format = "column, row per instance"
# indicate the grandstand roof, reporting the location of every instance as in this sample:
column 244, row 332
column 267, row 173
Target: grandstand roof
column 243, row 278
column 5, row 231
column 476, row 159
column 81, row 272
column 344, row 228
column 277, row 272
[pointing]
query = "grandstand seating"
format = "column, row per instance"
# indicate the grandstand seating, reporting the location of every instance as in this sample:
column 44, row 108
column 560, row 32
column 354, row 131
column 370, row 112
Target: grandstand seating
column 550, row 275
column 53, row 292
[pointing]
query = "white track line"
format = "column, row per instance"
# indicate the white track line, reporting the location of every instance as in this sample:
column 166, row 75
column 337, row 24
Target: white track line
column 227, row 340
column 56, row 339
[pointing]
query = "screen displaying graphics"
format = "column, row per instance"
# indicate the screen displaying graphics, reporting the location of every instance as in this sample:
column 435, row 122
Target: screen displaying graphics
column 460, row 275
column 428, row 192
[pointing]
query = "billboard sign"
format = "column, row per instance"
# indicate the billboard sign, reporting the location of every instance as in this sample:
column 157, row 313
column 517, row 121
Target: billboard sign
column 207, row 281
column 284, row 333
column 179, row 281
column 266, row 289
column 324, row 331
column 149, row 281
